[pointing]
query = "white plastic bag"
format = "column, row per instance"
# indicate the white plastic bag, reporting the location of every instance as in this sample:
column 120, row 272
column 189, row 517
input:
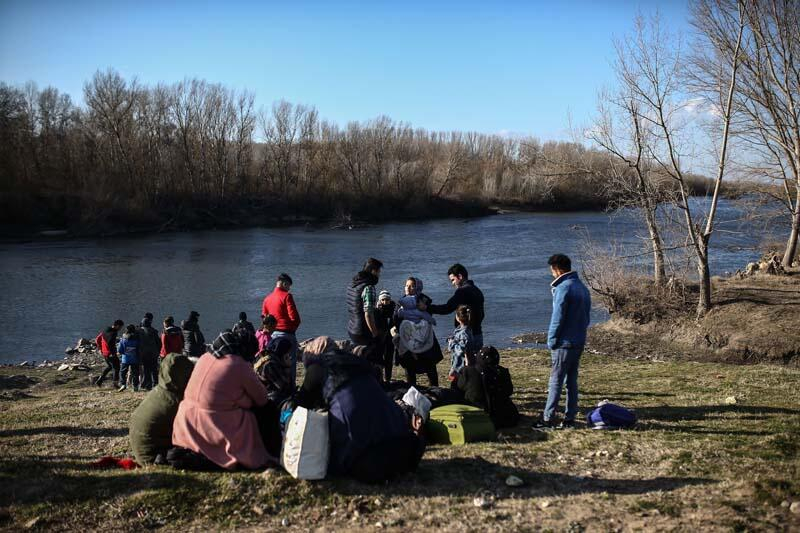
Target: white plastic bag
column 419, row 402
column 305, row 447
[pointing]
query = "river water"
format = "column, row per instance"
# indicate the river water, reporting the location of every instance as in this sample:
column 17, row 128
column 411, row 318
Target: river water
column 55, row 292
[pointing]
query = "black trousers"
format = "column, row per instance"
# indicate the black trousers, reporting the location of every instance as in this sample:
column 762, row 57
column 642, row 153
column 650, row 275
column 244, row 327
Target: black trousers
column 150, row 371
column 388, row 459
column 269, row 426
column 112, row 364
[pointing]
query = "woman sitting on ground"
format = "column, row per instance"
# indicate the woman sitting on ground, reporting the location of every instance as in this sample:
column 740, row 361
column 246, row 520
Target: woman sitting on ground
column 150, row 428
column 225, row 415
column 274, row 369
column 371, row 438
column 487, row 385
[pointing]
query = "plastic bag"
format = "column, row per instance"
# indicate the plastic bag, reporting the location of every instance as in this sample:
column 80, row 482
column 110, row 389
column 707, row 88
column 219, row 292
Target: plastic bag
column 306, row 446
column 420, row 403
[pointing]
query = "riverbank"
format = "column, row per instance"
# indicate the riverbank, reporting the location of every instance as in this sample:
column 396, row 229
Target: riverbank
column 715, row 449
column 755, row 320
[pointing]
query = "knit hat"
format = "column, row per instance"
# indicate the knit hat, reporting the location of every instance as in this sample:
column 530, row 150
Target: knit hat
column 384, row 294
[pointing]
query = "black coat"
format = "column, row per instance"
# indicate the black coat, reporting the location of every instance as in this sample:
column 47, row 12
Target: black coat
column 466, row 294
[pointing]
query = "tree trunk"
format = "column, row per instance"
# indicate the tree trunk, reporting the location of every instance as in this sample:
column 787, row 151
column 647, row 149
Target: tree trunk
column 791, row 245
column 704, row 301
column 659, row 273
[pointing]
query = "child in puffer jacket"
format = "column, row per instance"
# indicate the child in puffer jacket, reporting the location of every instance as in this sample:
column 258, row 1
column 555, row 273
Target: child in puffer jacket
column 128, row 349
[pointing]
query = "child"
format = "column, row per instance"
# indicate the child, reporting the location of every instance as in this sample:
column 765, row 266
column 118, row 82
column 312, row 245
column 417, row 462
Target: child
column 264, row 333
column 128, row 348
column 414, row 308
column 461, row 343
column 107, row 344
column 171, row 338
column 273, row 369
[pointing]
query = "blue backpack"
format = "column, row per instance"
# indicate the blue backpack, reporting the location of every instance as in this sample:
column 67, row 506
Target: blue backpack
column 610, row 416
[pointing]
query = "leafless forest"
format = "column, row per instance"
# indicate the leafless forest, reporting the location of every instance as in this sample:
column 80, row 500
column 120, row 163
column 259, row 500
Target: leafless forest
column 195, row 153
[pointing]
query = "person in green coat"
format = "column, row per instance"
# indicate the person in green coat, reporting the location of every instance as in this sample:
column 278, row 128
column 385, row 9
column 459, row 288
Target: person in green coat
column 150, row 428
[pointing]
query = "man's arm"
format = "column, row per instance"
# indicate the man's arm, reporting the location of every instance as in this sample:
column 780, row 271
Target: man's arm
column 557, row 319
column 291, row 310
column 445, row 309
column 368, row 298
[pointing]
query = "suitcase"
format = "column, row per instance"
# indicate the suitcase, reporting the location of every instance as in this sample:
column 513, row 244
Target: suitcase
column 459, row 424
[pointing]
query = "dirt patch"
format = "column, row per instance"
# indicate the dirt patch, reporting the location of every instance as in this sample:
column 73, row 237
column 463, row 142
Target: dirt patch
column 754, row 320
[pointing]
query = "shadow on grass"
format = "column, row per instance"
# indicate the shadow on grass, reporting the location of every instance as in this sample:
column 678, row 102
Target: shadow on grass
column 470, row 476
column 66, row 430
column 702, row 412
column 52, row 480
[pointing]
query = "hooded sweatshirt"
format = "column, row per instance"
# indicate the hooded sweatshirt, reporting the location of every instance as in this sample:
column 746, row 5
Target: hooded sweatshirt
column 151, row 423
column 128, row 348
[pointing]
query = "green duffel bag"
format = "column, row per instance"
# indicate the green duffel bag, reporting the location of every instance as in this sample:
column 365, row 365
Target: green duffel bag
column 459, row 424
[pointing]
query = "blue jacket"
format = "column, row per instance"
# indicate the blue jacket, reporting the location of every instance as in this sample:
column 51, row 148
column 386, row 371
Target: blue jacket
column 572, row 305
column 128, row 349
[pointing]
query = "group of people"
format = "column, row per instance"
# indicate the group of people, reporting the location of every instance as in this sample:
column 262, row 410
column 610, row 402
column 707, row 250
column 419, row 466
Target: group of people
column 225, row 405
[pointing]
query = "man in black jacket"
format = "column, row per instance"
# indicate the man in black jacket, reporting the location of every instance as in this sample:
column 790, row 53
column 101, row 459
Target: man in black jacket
column 362, row 301
column 466, row 294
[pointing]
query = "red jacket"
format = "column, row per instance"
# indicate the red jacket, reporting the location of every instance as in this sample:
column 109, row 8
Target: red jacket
column 280, row 304
column 171, row 341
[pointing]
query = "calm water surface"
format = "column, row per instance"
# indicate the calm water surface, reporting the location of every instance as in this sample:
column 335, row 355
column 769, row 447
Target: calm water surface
column 55, row 292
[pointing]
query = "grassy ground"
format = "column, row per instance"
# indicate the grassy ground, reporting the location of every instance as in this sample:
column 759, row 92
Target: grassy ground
column 694, row 462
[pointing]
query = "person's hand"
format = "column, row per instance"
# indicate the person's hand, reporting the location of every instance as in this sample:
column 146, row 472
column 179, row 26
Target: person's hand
column 417, row 423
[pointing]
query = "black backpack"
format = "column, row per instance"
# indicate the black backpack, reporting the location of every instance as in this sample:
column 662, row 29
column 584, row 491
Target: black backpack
column 498, row 389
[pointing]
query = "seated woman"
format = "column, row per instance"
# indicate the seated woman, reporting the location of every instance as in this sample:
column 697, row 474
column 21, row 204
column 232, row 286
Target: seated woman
column 150, row 428
column 487, row 385
column 371, row 438
column 217, row 417
column 274, row 369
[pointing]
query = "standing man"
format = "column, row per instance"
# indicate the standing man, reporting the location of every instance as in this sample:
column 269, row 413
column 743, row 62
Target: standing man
column 149, row 350
column 107, row 344
column 194, row 343
column 566, row 338
column 466, row 294
column 280, row 304
column 362, row 301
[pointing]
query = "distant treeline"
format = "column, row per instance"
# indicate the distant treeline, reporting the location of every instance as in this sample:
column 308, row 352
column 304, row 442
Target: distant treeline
column 176, row 155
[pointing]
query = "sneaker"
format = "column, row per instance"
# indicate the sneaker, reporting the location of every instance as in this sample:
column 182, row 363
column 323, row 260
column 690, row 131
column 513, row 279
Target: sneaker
column 122, row 388
column 543, row 424
column 136, row 389
column 98, row 383
column 566, row 424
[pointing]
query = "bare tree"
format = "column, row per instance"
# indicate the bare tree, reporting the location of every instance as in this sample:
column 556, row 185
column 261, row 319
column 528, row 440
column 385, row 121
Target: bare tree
column 651, row 71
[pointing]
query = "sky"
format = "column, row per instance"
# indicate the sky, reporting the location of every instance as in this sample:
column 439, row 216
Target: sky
column 509, row 68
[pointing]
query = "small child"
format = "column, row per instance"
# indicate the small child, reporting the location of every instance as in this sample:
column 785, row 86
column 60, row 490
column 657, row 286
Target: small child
column 264, row 333
column 414, row 308
column 461, row 344
column 128, row 348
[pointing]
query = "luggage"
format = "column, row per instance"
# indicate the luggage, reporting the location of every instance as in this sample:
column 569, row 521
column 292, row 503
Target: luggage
column 459, row 424
column 305, row 448
column 610, row 416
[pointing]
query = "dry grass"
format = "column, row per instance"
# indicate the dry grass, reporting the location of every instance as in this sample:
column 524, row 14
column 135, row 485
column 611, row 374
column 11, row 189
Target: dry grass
column 694, row 462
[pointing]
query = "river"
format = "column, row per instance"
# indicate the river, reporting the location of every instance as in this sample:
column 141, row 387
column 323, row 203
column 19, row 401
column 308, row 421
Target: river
column 57, row 291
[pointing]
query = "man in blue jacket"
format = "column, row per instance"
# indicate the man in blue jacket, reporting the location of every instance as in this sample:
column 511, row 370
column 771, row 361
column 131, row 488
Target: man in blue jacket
column 566, row 338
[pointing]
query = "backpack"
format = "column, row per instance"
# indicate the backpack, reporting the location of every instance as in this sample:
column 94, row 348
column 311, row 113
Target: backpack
column 498, row 388
column 610, row 416
column 100, row 341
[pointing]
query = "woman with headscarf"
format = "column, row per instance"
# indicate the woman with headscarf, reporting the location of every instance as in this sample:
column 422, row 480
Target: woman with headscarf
column 371, row 438
column 488, row 385
column 217, row 417
column 413, row 308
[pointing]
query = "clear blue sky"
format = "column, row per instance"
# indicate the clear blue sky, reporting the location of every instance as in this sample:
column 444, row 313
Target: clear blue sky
column 480, row 66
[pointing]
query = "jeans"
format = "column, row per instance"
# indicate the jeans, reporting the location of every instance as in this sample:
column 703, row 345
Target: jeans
column 565, row 369
column 292, row 355
column 134, row 369
column 112, row 364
